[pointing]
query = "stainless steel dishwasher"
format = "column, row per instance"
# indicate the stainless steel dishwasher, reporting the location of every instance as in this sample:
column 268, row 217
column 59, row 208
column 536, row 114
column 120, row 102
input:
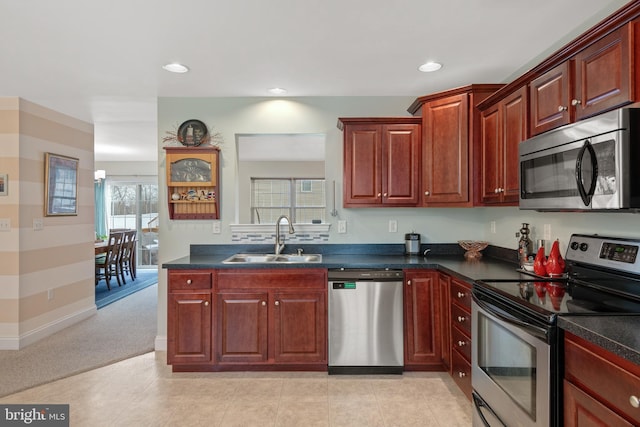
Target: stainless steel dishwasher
column 366, row 328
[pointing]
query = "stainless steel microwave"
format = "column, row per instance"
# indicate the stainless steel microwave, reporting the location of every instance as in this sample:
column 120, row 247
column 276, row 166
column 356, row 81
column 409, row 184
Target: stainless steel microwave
column 591, row 165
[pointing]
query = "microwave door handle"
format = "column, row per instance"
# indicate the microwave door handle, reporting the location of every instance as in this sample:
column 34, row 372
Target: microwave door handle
column 584, row 194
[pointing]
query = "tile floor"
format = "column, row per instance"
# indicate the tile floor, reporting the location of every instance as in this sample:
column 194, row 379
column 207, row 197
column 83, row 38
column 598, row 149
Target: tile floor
column 143, row 391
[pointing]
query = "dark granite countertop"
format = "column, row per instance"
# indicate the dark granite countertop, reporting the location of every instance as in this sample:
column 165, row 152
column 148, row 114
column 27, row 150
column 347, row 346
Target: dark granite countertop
column 445, row 257
column 615, row 333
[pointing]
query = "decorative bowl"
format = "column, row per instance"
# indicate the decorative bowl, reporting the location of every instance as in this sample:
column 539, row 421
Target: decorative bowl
column 473, row 248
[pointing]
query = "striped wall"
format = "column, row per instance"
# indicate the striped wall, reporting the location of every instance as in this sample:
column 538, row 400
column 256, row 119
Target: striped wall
column 46, row 276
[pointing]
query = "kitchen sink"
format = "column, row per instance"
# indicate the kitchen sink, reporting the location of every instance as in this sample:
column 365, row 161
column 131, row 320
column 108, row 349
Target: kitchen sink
column 273, row 259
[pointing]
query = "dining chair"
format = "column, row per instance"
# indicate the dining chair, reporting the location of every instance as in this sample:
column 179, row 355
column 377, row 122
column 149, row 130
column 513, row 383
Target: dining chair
column 107, row 264
column 127, row 260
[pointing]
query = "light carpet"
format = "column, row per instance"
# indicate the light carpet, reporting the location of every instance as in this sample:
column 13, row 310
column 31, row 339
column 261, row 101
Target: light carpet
column 118, row 331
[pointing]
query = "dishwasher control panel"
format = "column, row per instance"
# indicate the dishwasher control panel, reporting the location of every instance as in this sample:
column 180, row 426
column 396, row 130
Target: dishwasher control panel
column 359, row 275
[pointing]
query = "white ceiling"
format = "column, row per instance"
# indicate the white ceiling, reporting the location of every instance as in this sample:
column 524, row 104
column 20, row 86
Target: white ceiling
column 101, row 61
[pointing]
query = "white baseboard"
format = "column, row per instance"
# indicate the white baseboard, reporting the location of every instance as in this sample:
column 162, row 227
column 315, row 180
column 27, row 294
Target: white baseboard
column 46, row 330
column 161, row 343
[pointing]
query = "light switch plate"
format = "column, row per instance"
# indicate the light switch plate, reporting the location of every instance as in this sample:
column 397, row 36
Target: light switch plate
column 216, row 227
column 5, row 224
column 393, row 226
column 342, row 226
column 38, row 224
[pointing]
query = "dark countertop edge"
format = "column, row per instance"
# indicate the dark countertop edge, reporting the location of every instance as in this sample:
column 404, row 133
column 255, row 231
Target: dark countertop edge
column 614, row 333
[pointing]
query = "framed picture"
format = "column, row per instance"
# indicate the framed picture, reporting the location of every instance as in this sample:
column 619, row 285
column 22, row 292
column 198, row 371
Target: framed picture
column 4, row 184
column 61, row 185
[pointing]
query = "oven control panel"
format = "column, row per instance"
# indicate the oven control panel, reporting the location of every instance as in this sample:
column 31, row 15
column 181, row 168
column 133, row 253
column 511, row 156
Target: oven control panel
column 611, row 252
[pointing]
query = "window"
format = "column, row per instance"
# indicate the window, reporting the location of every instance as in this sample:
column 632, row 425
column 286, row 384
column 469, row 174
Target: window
column 303, row 200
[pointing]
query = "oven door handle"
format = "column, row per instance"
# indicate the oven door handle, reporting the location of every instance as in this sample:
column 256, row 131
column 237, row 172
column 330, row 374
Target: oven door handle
column 479, row 404
column 531, row 329
column 586, row 195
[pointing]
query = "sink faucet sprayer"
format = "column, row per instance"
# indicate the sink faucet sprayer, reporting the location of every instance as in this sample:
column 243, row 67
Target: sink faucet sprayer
column 280, row 242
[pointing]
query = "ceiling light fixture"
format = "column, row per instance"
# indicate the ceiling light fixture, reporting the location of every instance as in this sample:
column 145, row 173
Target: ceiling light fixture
column 175, row 67
column 277, row 91
column 430, row 66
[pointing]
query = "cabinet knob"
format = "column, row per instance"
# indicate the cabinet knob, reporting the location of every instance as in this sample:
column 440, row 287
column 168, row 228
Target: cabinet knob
column 379, row 194
column 500, row 190
column 461, row 319
column 188, row 281
column 206, row 303
column 634, row 401
column 461, row 294
column 575, row 102
column 385, row 194
column 264, row 303
column 277, row 302
column 562, row 108
column 461, row 343
column 409, row 282
column 462, row 374
column 426, row 193
column 496, row 190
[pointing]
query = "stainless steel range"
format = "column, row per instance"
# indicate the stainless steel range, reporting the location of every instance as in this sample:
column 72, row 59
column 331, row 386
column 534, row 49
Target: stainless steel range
column 517, row 346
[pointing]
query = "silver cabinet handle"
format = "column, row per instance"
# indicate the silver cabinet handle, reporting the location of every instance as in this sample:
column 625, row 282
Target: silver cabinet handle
column 461, row 319
column 462, row 374
column 562, row 108
column 188, row 281
column 461, row 294
column 575, row 102
column 461, row 343
column 264, row 303
column 634, row 401
column 277, row 302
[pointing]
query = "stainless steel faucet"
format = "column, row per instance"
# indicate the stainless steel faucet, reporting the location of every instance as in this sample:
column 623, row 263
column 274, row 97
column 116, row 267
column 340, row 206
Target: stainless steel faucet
column 280, row 241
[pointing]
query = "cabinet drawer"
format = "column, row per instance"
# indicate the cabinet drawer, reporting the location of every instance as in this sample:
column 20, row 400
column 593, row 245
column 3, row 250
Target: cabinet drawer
column 461, row 318
column 461, row 372
column 603, row 375
column 187, row 280
column 461, row 342
column 461, row 294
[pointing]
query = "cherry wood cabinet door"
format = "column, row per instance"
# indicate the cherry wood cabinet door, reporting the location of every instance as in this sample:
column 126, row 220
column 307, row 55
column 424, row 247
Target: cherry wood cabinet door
column 241, row 327
column 401, row 164
column 549, row 96
column 445, row 151
column 491, row 143
column 189, row 328
column 362, row 164
column 300, row 326
column 604, row 74
column 582, row 410
column 514, row 131
column 422, row 320
column 444, row 283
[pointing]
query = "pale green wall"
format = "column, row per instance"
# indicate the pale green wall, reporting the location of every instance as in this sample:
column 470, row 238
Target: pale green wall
column 370, row 225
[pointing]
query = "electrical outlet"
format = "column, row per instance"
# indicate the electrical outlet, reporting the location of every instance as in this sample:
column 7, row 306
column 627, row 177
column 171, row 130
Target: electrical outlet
column 493, row 227
column 38, row 224
column 5, row 224
column 50, row 294
column 547, row 232
column 342, row 226
column 393, row 226
column 216, row 227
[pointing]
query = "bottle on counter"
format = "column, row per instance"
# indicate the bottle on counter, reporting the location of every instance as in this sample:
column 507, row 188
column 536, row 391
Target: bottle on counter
column 525, row 245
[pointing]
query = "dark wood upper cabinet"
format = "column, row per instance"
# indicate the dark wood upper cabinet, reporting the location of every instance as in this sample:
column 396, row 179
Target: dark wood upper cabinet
column 381, row 161
column 503, row 127
column 598, row 78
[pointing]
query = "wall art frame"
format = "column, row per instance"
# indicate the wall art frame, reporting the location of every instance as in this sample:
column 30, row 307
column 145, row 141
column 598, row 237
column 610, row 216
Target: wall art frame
column 61, row 185
column 4, row 184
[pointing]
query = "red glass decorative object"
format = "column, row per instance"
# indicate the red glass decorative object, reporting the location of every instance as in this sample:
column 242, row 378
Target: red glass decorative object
column 540, row 263
column 555, row 263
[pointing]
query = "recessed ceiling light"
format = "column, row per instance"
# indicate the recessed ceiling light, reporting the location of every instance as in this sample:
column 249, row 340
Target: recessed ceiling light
column 277, row 91
column 430, row 66
column 175, row 67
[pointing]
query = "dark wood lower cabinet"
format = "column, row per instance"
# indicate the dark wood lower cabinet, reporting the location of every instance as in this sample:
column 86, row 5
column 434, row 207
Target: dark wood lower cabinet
column 189, row 328
column 241, row 327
